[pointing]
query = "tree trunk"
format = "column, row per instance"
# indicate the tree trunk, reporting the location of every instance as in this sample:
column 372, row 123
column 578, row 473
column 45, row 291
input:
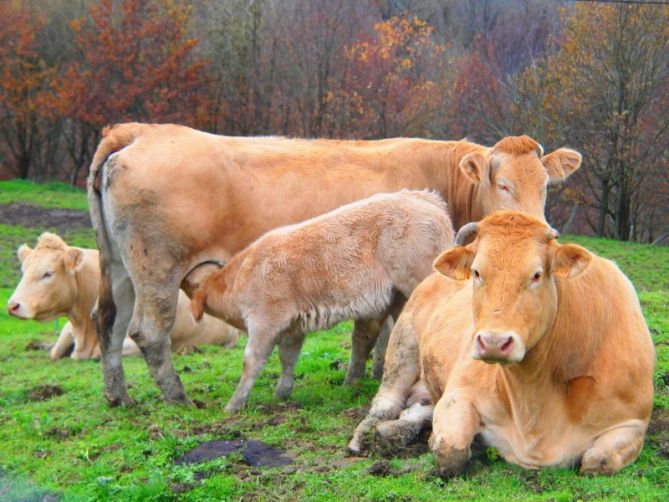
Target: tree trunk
column 603, row 209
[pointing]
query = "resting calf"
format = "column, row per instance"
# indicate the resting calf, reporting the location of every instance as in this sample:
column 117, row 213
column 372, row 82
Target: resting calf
column 359, row 262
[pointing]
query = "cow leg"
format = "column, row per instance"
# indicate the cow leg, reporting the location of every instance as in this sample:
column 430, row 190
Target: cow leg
column 64, row 343
column 401, row 373
column 365, row 332
column 258, row 348
column 384, row 336
column 152, row 321
column 290, row 346
column 398, row 434
column 455, row 422
column 112, row 317
column 614, row 449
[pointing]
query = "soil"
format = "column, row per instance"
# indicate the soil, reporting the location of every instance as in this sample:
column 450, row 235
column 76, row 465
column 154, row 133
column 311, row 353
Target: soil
column 255, row 453
column 28, row 215
column 44, row 392
column 658, row 431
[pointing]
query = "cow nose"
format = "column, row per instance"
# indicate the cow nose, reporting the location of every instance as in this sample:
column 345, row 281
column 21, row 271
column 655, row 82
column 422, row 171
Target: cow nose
column 498, row 346
column 13, row 307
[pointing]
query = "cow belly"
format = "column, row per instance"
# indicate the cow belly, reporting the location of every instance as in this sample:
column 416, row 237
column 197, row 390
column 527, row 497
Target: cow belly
column 557, row 448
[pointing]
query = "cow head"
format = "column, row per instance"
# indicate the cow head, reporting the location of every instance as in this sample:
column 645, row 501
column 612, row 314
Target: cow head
column 512, row 264
column 514, row 174
column 48, row 288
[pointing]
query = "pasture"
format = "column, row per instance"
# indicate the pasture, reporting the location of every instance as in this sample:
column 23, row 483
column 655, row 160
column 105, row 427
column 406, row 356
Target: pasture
column 59, row 437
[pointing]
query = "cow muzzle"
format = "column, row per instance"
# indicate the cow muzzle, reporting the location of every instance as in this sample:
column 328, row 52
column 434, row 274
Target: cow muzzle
column 17, row 309
column 498, row 347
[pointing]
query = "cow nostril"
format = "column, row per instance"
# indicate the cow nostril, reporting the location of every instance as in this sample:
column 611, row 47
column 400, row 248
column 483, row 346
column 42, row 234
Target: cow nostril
column 506, row 346
column 480, row 343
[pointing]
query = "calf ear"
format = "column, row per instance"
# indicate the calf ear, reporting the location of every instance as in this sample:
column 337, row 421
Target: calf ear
column 475, row 167
column 455, row 263
column 561, row 163
column 570, row 260
column 23, row 252
column 73, row 259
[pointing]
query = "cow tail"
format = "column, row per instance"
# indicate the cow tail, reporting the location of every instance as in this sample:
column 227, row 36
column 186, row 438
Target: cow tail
column 197, row 303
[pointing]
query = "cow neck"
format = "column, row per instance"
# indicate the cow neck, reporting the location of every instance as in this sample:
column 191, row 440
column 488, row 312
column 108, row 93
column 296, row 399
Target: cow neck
column 462, row 196
column 87, row 291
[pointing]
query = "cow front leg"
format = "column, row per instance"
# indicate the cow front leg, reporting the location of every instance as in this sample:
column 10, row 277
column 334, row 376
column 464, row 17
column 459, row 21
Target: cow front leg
column 365, row 333
column 383, row 338
column 258, row 348
column 289, row 350
column 455, row 422
column 402, row 371
column 150, row 328
column 64, row 343
column 614, row 449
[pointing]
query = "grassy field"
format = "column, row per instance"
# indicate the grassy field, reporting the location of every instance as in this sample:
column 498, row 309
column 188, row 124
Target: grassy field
column 73, row 446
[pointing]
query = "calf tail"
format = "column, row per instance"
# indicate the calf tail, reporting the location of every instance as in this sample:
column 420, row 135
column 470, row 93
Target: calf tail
column 197, row 304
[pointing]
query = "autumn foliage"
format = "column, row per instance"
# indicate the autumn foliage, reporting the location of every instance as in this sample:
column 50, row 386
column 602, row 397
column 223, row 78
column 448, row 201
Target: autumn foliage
column 592, row 76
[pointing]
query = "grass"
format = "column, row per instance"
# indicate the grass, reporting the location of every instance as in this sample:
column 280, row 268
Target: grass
column 52, row 195
column 75, row 446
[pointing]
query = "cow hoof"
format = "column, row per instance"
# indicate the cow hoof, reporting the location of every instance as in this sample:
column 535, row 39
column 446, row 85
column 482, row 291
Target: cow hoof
column 395, row 435
column 450, row 461
column 594, row 464
column 232, row 408
column 125, row 401
column 282, row 393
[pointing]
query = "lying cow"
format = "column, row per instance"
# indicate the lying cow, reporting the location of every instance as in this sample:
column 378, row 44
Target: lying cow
column 359, row 262
column 165, row 198
column 63, row 281
column 540, row 348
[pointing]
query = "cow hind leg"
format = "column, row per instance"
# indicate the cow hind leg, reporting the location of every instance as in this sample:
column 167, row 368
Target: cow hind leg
column 258, row 348
column 290, row 346
column 64, row 344
column 384, row 335
column 395, row 435
column 365, row 333
column 614, row 449
column 150, row 328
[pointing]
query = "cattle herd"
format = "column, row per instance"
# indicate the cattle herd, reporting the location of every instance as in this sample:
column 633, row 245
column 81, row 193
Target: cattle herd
column 498, row 330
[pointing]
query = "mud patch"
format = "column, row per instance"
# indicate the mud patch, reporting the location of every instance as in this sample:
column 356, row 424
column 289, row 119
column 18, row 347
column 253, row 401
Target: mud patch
column 38, row 345
column 383, row 468
column 28, row 215
column 658, row 431
column 44, row 392
column 255, row 453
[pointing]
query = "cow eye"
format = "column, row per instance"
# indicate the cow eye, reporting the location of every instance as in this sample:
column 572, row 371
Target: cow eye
column 477, row 276
column 46, row 275
column 503, row 187
column 536, row 278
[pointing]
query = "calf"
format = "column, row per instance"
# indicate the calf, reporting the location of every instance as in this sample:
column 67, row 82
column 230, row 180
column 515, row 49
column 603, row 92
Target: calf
column 540, row 348
column 62, row 281
column 359, row 262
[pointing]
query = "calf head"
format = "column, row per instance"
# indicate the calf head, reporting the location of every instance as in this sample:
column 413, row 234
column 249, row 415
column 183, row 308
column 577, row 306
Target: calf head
column 48, row 287
column 514, row 174
column 512, row 264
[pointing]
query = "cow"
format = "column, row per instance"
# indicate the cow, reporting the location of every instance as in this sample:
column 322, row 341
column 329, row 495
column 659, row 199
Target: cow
column 540, row 348
column 63, row 281
column 360, row 261
column 165, row 198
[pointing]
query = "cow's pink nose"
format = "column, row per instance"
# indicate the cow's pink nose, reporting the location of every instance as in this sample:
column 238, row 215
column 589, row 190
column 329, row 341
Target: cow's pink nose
column 13, row 307
column 495, row 346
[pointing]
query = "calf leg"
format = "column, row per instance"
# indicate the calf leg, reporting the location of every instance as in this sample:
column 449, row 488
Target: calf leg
column 258, row 348
column 365, row 332
column 289, row 350
column 402, row 371
column 64, row 343
column 153, row 318
column 384, row 335
column 614, row 449
column 455, row 422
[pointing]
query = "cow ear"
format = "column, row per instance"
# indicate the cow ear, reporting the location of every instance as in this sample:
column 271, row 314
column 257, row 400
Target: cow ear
column 455, row 263
column 475, row 167
column 23, row 252
column 570, row 260
column 561, row 163
column 73, row 259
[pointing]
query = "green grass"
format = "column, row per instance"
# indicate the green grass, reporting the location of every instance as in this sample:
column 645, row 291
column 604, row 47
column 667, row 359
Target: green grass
column 53, row 195
column 76, row 446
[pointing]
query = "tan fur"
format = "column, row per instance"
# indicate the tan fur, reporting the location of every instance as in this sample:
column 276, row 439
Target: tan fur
column 583, row 391
column 164, row 198
column 72, row 292
column 346, row 264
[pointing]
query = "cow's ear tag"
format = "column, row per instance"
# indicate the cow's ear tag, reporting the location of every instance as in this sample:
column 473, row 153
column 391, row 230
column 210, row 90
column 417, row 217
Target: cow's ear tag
column 455, row 263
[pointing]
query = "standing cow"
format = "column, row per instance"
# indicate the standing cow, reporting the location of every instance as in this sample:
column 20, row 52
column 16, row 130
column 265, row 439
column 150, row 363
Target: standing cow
column 540, row 348
column 166, row 198
column 63, row 281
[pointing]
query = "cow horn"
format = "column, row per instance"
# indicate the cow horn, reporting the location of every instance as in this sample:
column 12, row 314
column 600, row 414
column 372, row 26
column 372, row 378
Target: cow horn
column 551, row 233
column 465, row 232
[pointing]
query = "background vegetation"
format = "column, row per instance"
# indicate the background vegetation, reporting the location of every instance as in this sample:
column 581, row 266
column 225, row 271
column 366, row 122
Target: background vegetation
column 59, row 438
column 591, row 75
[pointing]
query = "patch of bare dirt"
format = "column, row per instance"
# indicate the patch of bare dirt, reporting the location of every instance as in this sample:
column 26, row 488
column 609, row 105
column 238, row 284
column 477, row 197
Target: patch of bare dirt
column 658, row 431
column 44, row 392
column 38, row 345
column 255, row 453
column 27, row 215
